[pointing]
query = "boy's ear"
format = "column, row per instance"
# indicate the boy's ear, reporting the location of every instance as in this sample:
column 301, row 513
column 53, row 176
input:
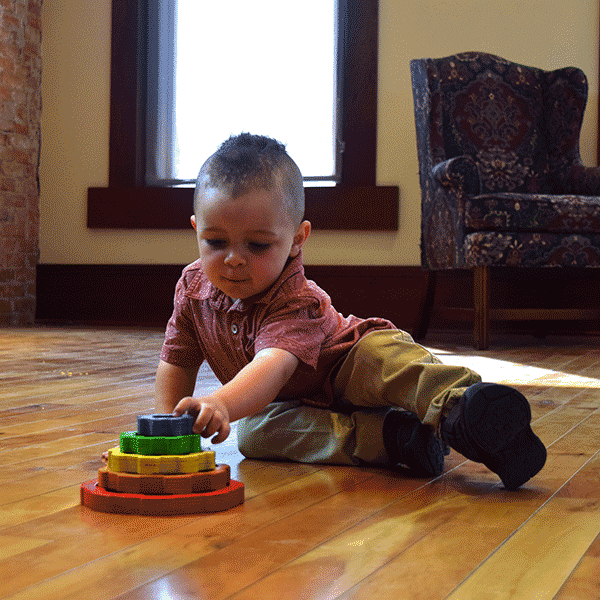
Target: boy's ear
column 301, row 236
column 193, row 221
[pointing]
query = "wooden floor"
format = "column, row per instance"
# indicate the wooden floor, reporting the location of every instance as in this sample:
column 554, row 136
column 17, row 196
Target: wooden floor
column 304, row 532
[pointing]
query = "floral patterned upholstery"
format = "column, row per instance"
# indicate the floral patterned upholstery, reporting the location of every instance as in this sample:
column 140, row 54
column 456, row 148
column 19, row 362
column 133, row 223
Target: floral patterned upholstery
column 501, row 177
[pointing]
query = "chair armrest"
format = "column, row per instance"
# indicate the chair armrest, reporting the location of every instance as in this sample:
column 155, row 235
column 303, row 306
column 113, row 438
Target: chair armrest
column 445, row 193
column 458, row 175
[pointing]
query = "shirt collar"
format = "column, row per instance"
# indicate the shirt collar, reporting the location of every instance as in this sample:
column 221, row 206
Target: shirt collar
column 201, row 288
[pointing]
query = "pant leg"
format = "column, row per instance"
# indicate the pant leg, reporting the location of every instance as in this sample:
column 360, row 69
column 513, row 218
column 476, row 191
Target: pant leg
column 291, row 430
column 387, row 368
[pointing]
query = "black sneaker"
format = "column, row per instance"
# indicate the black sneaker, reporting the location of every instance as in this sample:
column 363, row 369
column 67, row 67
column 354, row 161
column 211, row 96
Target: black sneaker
column 412, row 444
column 491, row 425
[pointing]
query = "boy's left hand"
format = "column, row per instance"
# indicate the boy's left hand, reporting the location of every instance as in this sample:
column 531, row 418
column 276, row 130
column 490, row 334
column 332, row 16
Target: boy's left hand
column 211, row 413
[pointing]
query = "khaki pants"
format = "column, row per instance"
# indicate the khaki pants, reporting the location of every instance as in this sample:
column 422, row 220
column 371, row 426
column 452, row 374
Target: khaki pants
column 385, row 369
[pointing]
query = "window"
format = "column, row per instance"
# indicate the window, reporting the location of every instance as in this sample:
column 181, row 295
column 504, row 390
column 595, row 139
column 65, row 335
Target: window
column 355, row 203
column 220, row 68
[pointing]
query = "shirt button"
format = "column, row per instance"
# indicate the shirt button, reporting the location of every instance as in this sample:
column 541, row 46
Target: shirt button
column 234, row 329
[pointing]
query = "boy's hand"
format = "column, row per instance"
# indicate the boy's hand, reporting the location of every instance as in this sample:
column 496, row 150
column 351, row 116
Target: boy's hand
column 211, row 416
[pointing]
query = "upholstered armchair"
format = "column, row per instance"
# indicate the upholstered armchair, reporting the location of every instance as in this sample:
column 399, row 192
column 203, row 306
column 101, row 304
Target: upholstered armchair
column 501, row 178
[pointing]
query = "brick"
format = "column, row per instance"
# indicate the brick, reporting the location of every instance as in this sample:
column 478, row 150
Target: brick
column 10, row 22
column 20, row 109
column 11, row 154
column 16, row 291
column 7, row 185
column 14, row 261
column 35, row 8
column 24, row 275
column 6, row 276
column 7, row 244
column 24, row 305
column 12, row 169
column 34, row 22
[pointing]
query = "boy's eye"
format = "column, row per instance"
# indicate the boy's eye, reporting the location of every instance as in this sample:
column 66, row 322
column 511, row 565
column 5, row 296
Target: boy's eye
column 216, row 244
column 258, row 247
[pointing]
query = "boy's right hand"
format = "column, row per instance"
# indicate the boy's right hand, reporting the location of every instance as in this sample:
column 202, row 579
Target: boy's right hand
column 211, row 414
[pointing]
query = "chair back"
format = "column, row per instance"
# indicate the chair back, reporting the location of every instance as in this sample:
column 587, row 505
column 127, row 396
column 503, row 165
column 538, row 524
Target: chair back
column 520, row 124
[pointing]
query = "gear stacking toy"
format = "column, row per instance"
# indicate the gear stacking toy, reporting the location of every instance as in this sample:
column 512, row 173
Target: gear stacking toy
column 161, row 469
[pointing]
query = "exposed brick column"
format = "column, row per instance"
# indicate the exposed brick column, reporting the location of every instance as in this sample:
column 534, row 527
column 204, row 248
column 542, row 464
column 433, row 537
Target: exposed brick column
column 20, row 109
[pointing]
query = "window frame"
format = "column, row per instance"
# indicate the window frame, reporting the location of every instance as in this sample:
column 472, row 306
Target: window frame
column 161, row 94
column 128, row 203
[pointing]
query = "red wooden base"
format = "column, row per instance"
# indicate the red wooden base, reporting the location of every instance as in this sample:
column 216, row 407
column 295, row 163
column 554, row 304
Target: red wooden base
column 191, row 483
column 97, row 498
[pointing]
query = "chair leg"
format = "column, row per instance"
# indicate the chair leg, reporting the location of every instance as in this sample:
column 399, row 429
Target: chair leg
column 481, row 302
column 426, row 307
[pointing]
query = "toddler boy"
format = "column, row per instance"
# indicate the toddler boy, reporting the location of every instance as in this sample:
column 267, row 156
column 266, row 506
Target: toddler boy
column 309, row 384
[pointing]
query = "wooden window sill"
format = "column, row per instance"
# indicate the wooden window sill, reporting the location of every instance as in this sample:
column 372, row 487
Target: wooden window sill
column 340, row 208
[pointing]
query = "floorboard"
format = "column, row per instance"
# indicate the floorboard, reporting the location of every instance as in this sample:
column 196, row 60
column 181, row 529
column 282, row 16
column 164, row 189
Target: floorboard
column 304, row 531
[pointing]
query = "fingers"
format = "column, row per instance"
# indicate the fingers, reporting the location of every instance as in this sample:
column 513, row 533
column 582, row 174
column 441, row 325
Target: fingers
column 187, row 404
column 223, row 433
column 210, row 421
column 210, row 418
column 203, row 420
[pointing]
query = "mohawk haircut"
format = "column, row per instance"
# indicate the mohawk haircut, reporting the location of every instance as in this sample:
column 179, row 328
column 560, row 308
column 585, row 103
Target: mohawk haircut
column 246, row 162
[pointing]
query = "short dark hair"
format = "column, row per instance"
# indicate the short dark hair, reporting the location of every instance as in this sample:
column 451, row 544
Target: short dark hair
column 245, row 162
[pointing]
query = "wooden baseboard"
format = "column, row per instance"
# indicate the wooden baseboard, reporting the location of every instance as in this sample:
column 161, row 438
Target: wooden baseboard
column 105, row 294
column 142, row 295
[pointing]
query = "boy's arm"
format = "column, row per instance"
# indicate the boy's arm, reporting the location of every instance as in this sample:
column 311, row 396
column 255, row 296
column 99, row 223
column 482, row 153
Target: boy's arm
column 255, row 386
column 172, row 384
column 258, row 383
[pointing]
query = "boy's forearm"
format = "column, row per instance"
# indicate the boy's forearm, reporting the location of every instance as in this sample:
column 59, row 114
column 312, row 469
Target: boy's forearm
column 257, row 384
column 172, row 384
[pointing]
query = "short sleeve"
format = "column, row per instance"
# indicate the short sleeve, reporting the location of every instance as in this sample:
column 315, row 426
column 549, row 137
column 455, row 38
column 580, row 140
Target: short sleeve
column 181, row 346
column 296, row 325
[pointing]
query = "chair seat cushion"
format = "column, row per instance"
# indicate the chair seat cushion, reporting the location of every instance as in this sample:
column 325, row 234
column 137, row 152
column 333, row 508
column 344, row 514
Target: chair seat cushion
column 516, row 249
column 532, row 212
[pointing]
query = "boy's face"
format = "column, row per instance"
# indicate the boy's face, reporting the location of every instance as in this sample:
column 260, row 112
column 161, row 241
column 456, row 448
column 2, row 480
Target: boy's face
column 245, row 242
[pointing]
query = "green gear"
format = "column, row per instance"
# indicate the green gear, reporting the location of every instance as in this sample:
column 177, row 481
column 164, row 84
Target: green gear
column 133, row 443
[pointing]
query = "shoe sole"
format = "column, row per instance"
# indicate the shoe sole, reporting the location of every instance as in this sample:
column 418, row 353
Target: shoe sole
column 498, row 420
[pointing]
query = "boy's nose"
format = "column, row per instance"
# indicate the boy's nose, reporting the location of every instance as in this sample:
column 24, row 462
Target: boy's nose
column 234, row 258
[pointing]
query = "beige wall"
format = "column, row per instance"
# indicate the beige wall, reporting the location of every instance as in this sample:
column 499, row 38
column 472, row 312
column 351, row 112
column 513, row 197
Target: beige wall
column 75, row 88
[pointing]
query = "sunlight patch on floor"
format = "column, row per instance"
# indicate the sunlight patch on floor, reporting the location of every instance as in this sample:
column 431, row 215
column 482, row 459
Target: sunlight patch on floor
column 500, row 371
